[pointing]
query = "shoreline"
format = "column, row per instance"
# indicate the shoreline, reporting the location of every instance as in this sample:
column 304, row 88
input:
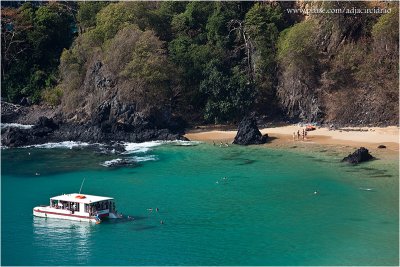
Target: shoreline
column 347, row 139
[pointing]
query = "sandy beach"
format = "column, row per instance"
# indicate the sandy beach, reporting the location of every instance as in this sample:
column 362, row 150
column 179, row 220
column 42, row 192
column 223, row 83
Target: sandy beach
column 350, row 137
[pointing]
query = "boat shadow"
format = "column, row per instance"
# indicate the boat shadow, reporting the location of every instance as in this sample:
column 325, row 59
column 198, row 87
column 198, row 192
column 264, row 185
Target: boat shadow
column 125, row 219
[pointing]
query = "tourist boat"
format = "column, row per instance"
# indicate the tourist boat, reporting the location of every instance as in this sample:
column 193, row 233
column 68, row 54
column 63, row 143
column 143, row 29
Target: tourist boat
column 78, row 207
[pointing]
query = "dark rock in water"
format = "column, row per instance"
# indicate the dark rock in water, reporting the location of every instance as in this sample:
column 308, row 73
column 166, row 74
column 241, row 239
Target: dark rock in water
column 360, row 155
column 14, row 137
column 248, row 133
column 119, row 163
column 381, row 146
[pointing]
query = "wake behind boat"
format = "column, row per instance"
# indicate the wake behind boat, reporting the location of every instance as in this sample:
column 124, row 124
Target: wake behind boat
column 78, row 207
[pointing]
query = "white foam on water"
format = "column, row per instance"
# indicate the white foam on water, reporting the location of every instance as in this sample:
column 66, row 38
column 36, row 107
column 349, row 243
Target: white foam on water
column 65, row 144
column 145, row 158
column 134, row 159
column 141, row 147
column 16, row 125
column 146, row 146
column 186, row 143
column 109, row 163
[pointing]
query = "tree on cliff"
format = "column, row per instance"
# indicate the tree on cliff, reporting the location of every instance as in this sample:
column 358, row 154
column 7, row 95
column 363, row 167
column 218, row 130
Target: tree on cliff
column 32, row 41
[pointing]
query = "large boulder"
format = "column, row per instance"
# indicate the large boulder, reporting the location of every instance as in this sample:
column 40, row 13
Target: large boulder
column 14, row 137
column 360, row 155
column 248, row 133
column 43, row 127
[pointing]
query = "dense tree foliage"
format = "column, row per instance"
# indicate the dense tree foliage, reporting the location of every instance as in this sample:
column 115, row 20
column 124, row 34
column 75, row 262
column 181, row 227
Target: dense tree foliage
column 32, row 41
column 206, row 61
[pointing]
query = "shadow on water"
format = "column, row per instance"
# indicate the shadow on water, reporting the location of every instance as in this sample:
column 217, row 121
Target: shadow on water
column 232, row 155
column 143, row 227
column 382, row 176
column 125, row 219
column 367, row 171
column 356, row 219
column 246, row 161
column 321, row 160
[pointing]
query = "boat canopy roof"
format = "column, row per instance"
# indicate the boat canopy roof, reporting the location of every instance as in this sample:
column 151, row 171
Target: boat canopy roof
column 81, row 198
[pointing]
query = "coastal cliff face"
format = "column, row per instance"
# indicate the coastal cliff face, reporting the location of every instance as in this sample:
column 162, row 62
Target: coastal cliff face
column 348, row 72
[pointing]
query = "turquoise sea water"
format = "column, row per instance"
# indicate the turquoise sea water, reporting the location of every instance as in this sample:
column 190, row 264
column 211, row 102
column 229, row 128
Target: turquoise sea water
column 264, row 213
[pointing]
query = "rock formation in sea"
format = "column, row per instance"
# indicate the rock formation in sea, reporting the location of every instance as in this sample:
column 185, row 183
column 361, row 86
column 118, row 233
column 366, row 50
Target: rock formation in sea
column 360, row 155
column 248, row 133
column 109, row 123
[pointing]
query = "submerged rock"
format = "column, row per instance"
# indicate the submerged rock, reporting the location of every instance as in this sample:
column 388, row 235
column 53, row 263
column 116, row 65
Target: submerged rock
column 360, row 155
column 248, row 133
column 115, row 163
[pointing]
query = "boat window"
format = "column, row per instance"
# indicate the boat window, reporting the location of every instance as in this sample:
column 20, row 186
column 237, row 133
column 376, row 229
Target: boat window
column 75, row 206
column 54, row 203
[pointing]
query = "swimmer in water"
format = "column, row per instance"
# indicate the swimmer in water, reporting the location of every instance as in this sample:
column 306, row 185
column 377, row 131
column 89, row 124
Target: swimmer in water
column 157, row 209
column 150, row 209
column 161, row 222
column 316, row 192
column 37, row 174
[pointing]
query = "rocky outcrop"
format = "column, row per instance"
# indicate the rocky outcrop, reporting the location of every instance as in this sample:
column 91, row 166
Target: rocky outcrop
column 112, row 122
column 11, row 112
column 14, row 137
column 358, row 156
column 248, row 133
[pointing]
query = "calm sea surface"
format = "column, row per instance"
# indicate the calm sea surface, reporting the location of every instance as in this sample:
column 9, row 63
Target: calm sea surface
column 264, row 212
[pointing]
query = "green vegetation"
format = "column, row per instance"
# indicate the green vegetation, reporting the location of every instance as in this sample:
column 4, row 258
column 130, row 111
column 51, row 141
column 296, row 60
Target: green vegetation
column 32, row 41
column 209, row 62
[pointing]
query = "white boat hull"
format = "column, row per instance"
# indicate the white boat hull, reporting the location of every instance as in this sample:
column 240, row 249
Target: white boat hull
column 47, row 212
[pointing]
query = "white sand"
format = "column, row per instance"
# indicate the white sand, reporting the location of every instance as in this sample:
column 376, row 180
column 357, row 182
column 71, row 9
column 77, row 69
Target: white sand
column 388, row 136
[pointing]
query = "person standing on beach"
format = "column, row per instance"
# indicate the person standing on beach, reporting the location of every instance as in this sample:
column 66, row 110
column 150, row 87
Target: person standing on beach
column 298, row 134
column 302, row 135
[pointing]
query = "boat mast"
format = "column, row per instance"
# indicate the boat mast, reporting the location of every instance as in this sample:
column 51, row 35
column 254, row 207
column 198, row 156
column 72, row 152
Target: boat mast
column 82, row 185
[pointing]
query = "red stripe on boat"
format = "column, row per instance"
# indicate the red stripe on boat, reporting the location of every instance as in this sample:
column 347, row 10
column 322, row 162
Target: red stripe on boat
column 71, row 215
